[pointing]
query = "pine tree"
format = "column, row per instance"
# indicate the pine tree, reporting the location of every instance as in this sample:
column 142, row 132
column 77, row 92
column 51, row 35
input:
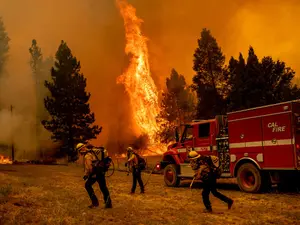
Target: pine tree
column 40, row 68
column 177, row 105
column 256, row 83
column 208, row 81
column 278, row 81
column 41, row 71
column 4, row 45
column 35, row 64
column 71, row 118
column 236, row 71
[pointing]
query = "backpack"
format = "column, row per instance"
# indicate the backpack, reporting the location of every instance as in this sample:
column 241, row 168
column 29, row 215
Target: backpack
column 101, row 165
column 141, row 162
column 215, row 166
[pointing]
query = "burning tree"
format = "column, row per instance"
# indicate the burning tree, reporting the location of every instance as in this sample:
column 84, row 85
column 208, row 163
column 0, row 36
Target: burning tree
column 209, row 79
column 71, row 118
column 4, row 45
column 137, row 79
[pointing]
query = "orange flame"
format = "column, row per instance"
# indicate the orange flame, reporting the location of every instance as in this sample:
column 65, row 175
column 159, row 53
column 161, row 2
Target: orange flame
column 137, row 78
column 5, row 160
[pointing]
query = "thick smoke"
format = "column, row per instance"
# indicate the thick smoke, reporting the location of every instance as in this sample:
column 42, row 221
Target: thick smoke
column 18, row 115
column 94, row 31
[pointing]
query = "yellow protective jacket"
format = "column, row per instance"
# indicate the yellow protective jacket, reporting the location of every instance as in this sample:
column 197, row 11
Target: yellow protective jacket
column 132, row 160
column 88, row 160
column 90, row 157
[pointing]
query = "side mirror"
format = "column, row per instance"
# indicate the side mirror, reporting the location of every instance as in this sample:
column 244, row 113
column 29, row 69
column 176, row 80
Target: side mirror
column 176, row 135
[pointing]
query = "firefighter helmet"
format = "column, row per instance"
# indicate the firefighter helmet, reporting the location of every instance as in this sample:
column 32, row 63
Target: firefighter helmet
column 193, row 155
column 129, row 149
column 80, row 147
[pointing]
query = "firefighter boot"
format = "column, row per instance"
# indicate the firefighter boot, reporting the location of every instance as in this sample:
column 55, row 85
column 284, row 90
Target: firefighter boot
column 208, row 210
column 92, row 206
column 108, row 203
column 95, row 202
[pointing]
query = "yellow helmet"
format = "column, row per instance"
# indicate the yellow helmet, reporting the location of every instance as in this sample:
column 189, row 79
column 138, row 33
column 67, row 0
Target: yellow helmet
column 129, row 149
column 193, row 155
column 79, row 147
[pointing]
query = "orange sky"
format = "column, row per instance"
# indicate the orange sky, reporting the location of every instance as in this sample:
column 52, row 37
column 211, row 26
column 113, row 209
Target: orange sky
column 94, row 31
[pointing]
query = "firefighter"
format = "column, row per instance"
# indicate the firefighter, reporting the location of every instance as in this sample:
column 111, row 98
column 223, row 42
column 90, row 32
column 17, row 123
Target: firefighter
column 203, row 167
column 91, row 176
column 132, row 163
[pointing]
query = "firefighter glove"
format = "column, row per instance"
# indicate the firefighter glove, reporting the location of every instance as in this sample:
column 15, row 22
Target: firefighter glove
column 85, row 177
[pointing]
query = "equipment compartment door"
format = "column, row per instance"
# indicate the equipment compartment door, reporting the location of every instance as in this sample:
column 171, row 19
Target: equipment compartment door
column 278, row 147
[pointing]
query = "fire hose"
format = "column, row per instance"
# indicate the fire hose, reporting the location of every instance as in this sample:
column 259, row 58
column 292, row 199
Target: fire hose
column 150, row 174
column 113, row 170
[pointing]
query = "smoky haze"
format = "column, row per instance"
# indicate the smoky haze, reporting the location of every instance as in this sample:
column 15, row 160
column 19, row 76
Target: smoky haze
column 94, row 31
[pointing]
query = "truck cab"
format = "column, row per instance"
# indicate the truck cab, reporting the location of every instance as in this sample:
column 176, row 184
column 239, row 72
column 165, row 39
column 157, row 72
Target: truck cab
column 202, row 136
column 259, row 146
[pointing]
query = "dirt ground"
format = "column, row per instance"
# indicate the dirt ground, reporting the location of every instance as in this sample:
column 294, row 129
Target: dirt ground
column 38, row 194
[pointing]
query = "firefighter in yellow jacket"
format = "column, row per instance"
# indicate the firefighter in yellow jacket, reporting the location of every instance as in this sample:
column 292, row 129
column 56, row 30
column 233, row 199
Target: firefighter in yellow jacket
column 132, row 164
column 204, row 170
column 91, row 176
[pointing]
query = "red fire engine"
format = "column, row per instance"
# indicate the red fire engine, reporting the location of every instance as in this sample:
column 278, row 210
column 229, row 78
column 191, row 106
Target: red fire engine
column 258, row 146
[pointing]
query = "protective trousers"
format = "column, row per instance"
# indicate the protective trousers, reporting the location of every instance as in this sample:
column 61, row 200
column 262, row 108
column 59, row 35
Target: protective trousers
column 210, row 185
column 100, row 178
column 136, row 176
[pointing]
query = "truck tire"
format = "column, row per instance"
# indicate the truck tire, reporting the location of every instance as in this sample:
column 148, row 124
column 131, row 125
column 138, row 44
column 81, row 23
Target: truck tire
column 171, row 176
column 249, row 178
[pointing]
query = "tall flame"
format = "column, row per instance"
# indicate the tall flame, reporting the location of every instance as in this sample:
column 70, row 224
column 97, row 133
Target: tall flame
column 137, row 78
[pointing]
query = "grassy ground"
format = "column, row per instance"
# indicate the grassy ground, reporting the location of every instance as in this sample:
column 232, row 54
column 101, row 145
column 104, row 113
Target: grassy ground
column 37, row 194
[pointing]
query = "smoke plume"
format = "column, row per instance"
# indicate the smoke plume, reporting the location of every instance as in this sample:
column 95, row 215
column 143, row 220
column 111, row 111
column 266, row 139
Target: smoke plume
column 94, row 30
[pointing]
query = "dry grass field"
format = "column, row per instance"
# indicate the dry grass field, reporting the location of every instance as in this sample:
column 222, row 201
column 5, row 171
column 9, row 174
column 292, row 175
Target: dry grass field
column 39, row 194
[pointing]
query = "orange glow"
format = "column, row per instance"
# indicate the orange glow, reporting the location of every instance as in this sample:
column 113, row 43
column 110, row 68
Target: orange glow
column 137, row 79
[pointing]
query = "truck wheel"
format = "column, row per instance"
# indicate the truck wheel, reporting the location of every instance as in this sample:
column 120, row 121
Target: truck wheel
column 249, row 178
column 170, row 176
